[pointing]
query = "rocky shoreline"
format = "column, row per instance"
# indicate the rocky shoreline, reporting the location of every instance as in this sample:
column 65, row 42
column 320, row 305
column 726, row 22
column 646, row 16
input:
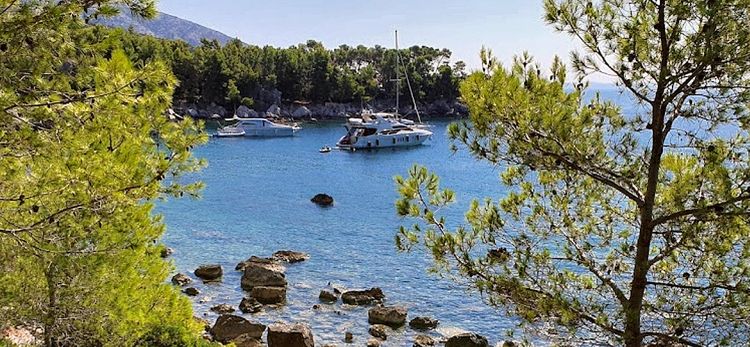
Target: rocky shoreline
column 326, row 111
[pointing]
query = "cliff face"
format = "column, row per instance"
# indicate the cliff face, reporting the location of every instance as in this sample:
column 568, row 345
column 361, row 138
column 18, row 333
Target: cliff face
column 165, row 26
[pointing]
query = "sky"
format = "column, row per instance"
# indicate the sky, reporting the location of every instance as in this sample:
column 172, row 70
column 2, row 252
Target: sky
column 508, row 27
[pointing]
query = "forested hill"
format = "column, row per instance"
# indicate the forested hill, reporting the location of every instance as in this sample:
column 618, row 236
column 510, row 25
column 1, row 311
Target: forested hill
column 165, row 26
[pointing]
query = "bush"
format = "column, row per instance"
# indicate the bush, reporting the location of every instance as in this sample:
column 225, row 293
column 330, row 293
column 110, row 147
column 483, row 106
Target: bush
column 248, row 102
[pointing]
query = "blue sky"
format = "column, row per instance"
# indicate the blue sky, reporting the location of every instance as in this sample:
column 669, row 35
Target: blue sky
column 508, row 27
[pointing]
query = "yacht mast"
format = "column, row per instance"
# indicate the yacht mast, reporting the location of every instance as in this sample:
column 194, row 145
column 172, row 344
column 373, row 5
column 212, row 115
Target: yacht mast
column 398, row 77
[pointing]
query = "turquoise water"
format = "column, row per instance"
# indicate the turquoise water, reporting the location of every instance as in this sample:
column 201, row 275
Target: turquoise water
column 257, row 201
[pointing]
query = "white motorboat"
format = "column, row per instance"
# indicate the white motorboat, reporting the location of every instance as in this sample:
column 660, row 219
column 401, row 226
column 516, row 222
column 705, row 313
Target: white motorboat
column 230, row 131
column 325, row 149
column 261, row 127
column 380, row 130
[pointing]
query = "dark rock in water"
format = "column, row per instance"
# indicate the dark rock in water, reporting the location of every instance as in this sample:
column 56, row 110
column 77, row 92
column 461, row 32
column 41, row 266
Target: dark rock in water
column 348, row 337
column 423, row 341
column 467, row 340
column 423, row 323
column 508, row 343
column 250, row 305
column 166, row 252
column 228, row 327
column 222, row 309
column 373, row 342
column 290, row 256
column 192, row 291
column 322, row 200
column 363, row 297
column 380, row 331
column 209, row 272
column 263, row 275
column 326, row 296
column 181, row 279
column 269, row 295
column 290, row 335
column 394, row 316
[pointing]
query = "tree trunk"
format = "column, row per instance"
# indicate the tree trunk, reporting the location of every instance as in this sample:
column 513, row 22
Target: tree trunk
column 50, row 319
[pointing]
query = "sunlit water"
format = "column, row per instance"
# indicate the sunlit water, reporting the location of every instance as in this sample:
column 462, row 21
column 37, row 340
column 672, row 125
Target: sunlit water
column 257, row 201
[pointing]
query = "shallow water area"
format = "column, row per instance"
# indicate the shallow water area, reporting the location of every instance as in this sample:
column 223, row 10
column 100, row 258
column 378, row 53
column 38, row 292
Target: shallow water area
column 257, row 201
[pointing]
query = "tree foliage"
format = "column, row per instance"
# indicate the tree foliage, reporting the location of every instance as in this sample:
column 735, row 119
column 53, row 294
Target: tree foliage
column 85, row 149
column 620, row 229
column 308, row 71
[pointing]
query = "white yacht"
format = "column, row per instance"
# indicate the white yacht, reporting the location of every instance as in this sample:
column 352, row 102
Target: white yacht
column 261, row 127
column 380, row 130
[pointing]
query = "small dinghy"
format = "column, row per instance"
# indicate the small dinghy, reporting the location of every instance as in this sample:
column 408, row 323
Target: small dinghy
column 230, row 131
column 324, row 149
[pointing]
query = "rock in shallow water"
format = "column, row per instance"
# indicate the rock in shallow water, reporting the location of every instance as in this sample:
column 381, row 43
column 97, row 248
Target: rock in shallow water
column 326, row 296
column 363, row 297
column 181, row 279
column 348, row 337
column 191, row 291
column 250, row 305
column 394, row 316
column 222, row 309
column 269, row 295
column 263, row 275
column 209, row 272
column 467, row 340
column 423, row 323
column 423, row 341
column 290, row 335
column 229, row 327
column 323, row 200
column 373, row 342
column 380, row 331
column 290, row 256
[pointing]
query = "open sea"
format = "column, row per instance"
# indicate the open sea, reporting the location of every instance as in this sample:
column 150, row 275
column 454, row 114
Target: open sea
column 257, row 201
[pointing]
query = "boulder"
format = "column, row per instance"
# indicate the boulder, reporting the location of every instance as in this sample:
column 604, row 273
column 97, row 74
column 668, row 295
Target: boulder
column 250, row 305
column 363, row 297
column 467, row 340
column 229, row 327
column 290, row 335
column 191, row 291
column 290, row 256
column 217, row 110
column 223, row 309
column 423, row 341
column 373, row 342
column 246, row 112
column 348, row 337
column 394, row 316
column 268, row 261
column 269, row 295
column 262, row 275
column 301, row 112
column 322, row 200
column 326, row 296
column 209, row 272
column 380, row 331
column 245, row 340
column 274, row 110
column 423, row 323
column 166, row 252
column 439, row 108
column 181, row 279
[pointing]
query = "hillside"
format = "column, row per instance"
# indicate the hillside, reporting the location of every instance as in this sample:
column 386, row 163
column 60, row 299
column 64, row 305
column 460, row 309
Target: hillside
column 166, row 26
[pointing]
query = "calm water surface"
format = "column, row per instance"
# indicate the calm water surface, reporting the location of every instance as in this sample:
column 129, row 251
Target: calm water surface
column 257, row 201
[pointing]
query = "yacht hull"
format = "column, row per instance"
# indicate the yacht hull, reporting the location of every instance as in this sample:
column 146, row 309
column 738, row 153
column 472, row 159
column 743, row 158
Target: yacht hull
column 272, row 132
column 382, row 141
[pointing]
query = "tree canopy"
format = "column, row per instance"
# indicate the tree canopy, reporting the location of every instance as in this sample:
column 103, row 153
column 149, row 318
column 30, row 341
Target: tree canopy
column 616, row 229
column 85, row 149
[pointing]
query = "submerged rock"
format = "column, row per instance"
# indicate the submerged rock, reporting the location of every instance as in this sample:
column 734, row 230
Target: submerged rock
column 348, row 337
column 467, row 340
column 181, row 279
column 394, row 316
column 209, row 272
column 269, row 295
column 250, row 305
column 423, row 341
column 290, row 256
column 322, row 200
column 363, row 297
column 191, row 291
column 222, row 309
column 326, row 296
column 166, row 252
column 262, row 275
column 373, row 342
column 423, row 323
column 380, row 331
column 290, row 335
column 229, row 327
